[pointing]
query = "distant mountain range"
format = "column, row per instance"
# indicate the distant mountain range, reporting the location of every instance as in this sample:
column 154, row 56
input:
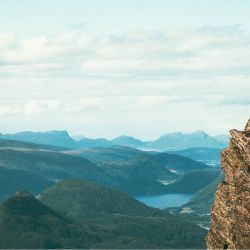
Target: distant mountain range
column 210, row 156
column 171, row 141
column 57, row 138
column 177, row 141
column 33, row 167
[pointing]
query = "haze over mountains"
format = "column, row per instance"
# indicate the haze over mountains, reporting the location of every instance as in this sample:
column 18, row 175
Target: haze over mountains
column 98, row 210
column 171, row 141
column 130, row 170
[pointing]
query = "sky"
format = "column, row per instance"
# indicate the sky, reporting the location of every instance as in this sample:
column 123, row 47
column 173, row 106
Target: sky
column 102, row 68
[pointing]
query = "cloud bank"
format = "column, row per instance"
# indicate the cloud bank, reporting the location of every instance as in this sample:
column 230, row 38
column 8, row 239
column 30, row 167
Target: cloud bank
column 143, row 83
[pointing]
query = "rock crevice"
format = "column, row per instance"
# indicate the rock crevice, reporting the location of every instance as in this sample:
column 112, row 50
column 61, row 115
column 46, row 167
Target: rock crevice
column 230, row 215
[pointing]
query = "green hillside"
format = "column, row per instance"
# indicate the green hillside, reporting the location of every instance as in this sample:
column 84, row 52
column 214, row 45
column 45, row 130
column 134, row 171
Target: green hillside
column 112, row 154
column 178, row 163
column 12, row 181
column 205, row 155
column 120, row 222
column 197, row 210
column 202, row 201
column 120, row 155
column 51, row 165
column 130, row 221
column 143, row 167
column 193, row 181
column 89, row 200
column 26, row 223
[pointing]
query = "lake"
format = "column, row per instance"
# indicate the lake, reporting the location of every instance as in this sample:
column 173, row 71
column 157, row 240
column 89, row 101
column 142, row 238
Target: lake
column 166, row 200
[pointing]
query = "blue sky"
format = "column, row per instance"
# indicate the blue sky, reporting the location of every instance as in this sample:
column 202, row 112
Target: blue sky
column 35, row 17
column 102, row 68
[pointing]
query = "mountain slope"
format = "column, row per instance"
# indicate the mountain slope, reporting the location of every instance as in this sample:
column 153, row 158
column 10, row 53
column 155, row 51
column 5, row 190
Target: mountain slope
column 131, row 221
column 27, row 223
column 178, row 163
column 192, row 181
column 12, row 181
column 206, row 155
column 89, row 200
column 51, row 165
column 144, row 167
column 202, row 201
column 127, row 157
column 197, row 210
column 111, row 154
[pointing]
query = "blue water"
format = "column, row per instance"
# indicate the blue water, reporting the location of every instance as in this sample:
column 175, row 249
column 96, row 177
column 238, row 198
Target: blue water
column 166, row 200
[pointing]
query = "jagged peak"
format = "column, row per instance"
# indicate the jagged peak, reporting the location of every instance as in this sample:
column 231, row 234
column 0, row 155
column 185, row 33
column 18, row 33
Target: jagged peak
column 247, row 128
column 232, row 197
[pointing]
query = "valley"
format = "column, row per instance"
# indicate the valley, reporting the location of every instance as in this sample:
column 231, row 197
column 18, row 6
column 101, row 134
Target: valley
column 103, row 192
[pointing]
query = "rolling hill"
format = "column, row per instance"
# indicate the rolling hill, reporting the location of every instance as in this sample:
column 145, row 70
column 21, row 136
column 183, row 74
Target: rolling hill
column 202, row 201
column 143, row 167
column 89, row 200
column 192, row 181
column 25, row 161
column 76, row 214
column 130, row 170
column 112, row 154
column 177, row 163
column 124, row 216
column 209, row 156
column 127, row 156
column 26, row 223
column 197, row 210
column 51, row 165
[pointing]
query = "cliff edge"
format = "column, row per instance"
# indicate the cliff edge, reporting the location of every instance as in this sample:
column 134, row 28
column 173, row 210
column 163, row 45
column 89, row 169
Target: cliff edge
column 230, row 215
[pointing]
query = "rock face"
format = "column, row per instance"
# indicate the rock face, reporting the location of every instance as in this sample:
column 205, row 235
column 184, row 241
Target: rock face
column 230, row 214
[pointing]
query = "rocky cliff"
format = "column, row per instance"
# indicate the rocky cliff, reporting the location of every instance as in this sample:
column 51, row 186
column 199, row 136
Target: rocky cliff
column 230, row 215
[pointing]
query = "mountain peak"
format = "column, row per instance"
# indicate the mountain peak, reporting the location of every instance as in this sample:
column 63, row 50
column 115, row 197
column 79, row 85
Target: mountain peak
column 23, row 194
column 247, row 128
column 24, row 203
column 128, row 141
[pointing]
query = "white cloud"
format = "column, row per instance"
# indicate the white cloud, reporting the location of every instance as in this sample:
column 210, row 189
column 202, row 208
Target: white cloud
column 126, row 83
column 194, row 50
